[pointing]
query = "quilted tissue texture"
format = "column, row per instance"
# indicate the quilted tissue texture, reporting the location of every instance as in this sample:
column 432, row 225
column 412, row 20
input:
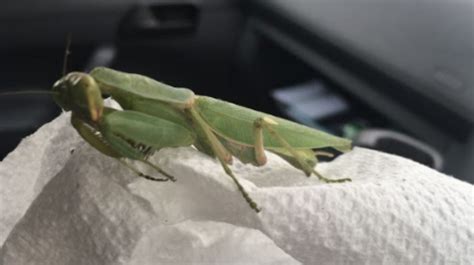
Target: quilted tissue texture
column 64, row 207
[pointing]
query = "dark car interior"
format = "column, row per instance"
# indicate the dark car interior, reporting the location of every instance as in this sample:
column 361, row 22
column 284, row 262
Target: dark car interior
column 392, row 75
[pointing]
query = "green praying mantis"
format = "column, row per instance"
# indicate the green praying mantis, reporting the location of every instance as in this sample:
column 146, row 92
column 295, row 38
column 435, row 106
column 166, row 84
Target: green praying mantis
column 156, row 115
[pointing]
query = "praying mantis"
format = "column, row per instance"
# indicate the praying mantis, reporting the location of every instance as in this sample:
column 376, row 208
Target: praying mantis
column 155, row 115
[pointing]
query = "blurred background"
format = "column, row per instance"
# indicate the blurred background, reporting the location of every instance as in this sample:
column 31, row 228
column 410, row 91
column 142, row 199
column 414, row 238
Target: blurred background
column 393, row 75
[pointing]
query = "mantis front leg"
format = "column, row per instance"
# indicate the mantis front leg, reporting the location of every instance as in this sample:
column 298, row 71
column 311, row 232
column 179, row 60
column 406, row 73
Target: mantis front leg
column 136, row 135
column 95, row 139
column 132, row 135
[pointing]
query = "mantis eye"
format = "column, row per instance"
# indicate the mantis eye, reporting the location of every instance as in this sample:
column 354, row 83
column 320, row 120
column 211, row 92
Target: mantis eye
column 73, row 79
column 60, row 94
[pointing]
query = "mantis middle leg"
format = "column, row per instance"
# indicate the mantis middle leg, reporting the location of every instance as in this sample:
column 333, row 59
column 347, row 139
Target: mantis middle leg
column 222, row 155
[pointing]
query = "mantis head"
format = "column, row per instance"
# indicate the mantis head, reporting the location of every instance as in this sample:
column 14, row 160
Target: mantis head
column 80, row 93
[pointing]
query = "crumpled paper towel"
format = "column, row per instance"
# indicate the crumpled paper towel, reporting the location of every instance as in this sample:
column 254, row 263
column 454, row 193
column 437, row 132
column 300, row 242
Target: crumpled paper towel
column 62, row 202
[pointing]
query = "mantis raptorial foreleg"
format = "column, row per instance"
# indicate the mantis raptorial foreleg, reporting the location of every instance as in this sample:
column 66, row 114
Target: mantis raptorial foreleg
column 268, row 123
column 91, row 135
column 133, row 135
column 136, row 135
column 95, row 139
column 222, row 155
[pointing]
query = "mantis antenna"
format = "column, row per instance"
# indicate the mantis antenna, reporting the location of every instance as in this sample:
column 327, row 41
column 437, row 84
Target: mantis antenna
column 29, row 92
column 66, row 52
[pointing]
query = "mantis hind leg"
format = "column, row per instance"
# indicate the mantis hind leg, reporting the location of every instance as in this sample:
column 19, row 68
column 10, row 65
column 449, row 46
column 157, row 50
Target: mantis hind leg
column 268, row 123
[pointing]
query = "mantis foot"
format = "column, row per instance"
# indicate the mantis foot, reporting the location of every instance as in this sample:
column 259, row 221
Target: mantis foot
column 168, row 176
column 336, row 180
column 152, row 178
column 320, row 177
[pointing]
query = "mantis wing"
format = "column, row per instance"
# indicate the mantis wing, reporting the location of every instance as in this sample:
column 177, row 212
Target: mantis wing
column 235, row 124
column 125, row 87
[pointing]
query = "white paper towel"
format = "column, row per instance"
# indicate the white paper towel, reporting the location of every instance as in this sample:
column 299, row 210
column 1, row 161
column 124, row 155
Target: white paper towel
column 60, row 207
